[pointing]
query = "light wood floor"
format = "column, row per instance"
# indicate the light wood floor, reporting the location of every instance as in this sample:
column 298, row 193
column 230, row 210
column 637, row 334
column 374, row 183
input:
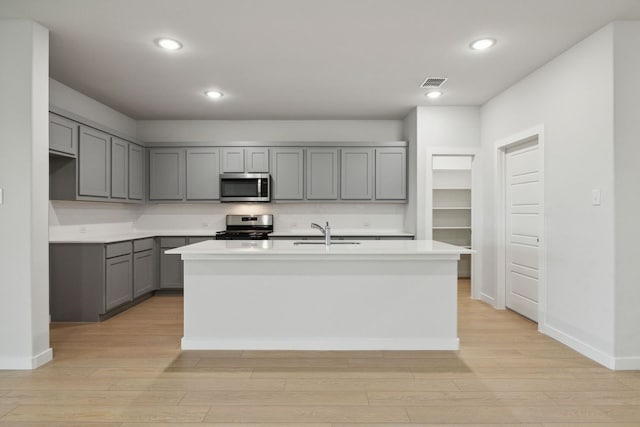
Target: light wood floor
column 129, row 371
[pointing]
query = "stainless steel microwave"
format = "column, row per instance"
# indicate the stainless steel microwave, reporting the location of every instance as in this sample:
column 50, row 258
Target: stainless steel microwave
column 245, row 187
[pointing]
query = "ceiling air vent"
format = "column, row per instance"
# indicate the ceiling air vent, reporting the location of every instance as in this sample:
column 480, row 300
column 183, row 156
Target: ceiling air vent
column 433, row 82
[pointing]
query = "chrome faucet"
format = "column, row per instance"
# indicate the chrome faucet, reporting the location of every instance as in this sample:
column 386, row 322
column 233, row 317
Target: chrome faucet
column 326, row 231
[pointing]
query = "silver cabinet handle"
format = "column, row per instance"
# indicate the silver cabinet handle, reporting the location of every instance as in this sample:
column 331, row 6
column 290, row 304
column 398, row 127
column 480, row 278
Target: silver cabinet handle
column 259, row 187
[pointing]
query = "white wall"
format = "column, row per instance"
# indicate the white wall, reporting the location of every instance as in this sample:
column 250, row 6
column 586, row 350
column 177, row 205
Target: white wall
column 219, row 131
column 572, row 96
column 24, row 132
column 627, row 195
column 434, row 128
column 71, row 100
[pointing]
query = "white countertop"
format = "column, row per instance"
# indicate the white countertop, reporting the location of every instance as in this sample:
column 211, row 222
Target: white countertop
column 286, row 249
column 133, row 235
column 339, row 232
column 138, row 234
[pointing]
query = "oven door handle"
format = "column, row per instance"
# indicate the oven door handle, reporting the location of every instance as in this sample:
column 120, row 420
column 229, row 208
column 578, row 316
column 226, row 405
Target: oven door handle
column 259, row 187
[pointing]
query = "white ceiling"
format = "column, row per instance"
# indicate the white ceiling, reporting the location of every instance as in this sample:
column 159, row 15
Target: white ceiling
column 304, row 59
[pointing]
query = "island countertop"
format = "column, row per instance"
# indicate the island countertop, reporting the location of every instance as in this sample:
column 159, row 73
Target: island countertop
column 233, row 249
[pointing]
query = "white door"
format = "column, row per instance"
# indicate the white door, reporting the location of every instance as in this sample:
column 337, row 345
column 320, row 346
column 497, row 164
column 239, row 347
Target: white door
column 522, row 229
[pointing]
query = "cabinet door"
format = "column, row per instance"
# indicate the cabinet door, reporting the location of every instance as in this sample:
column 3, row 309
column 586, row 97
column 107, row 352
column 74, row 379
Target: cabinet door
column 256, row 160
column 119, row 168
column 356, row 174
column 136, row 172
column 171, row 272
column 94, row 166
column 166, row 174
column 63, row 135
column 142, row 273
column 203, row 174
column 391, row 173
column 119, row 284
column 287, row 173
column 322, row 173
column 233, row 159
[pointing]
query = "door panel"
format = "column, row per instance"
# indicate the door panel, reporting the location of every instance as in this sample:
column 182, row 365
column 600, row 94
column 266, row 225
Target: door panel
column 523, row 197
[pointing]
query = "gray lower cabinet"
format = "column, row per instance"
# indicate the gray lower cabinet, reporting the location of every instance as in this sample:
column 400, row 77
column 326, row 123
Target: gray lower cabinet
column 119, row 168
column 203, row 173
column 322, row 173
column 143, row 282
column 136, row 172
column 166, row 173
column 94, row 163
column 90, row 281
column 356, row 174
column 119, row 281
column 63, row 135
column 287, row 166
column 391, row 173
column 171, row 272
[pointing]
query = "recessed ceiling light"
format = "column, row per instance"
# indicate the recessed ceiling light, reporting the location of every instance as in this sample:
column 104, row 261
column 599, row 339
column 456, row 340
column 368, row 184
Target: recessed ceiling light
column 169, row 44
column 214, row 94
column 433, row 94
column 482, row 44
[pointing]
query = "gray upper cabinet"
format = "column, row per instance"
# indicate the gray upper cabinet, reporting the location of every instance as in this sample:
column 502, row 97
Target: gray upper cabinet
column 233, row 159
column 391, row 173
column 63, row 135
column 322, row 173
column 136, row 172
column 245, row 159
column 287, row 165
column 256, row 160
column 94, row 165
column 357, row 173
column 119, row 168
column 166, row 173
column 203, row 173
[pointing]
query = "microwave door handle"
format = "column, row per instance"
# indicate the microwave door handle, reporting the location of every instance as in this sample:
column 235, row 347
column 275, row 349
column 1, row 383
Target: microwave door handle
column 259, row 187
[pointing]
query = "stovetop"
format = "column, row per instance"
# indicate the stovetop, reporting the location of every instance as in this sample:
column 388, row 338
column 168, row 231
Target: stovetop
column 247, row 227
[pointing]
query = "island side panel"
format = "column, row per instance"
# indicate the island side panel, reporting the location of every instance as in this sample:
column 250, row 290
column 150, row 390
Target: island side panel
column 320, row 305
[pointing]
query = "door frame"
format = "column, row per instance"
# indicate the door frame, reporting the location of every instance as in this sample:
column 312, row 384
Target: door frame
column 476, row 207
column 500, row 179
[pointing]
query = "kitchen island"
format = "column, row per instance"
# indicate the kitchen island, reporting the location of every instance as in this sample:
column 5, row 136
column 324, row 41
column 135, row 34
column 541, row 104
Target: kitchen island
column 373, row 295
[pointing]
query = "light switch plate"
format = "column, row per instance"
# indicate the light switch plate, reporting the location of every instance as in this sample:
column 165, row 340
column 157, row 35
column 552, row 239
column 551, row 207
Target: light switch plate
column 595, row 197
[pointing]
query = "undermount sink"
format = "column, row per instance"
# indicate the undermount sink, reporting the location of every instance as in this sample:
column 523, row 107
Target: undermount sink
column 319, row 242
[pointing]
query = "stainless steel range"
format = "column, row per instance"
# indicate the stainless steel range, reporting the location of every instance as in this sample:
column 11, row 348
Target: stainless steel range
column 247, row 227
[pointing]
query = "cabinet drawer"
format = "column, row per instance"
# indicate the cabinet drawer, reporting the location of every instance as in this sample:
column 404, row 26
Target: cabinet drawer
column 142, row 245
column 172, row 242
column 117, row 249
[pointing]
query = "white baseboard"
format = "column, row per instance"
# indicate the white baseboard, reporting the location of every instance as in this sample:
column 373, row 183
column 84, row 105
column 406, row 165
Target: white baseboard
column 42, row 358
column 488, row 299
column 320, row 344
column 26, row 363
column 627, row 363
column 581, row 347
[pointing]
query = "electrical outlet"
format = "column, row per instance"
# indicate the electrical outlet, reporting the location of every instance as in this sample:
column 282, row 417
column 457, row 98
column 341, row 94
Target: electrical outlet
column 595, row 197
column 83, row 229
column 366, row 224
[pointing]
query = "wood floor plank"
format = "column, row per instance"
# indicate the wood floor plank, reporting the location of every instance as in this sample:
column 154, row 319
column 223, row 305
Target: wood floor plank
column 261, row 398
column 519, row 384
column 301, row 373
column 193, row 384
column 172, row 372
column 357, row 384
column 306, row 414
column 88, row 397
column 46, row 413
column 457, row 398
